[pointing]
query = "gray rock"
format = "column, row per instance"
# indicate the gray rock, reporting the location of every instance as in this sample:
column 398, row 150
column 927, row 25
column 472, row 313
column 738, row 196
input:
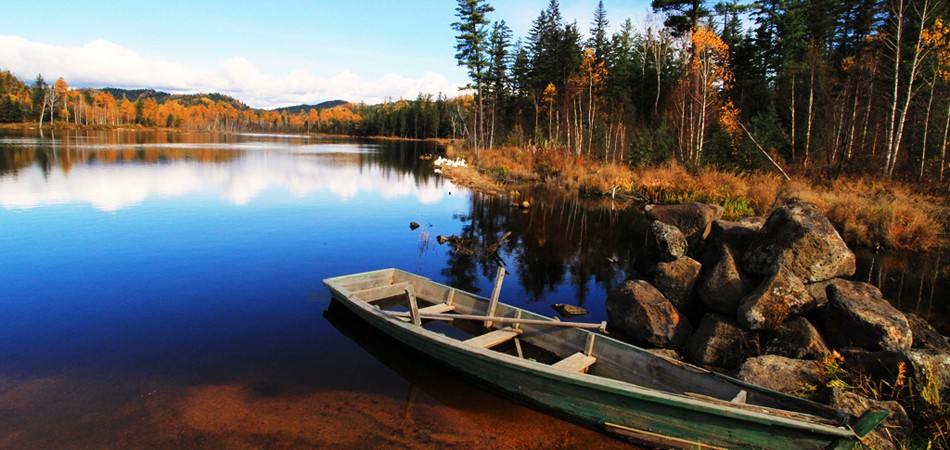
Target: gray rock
column 926, row 337
column 664, row 243
column 780, row 373
column 797, row 338
column 676, row 281
column 930, row 372
column 799, row 237
column 890, row 434
column 719, row 341
column 721, row 284
column 692, row 219
column 638, row 310
column 858, row 316
column 775, row 299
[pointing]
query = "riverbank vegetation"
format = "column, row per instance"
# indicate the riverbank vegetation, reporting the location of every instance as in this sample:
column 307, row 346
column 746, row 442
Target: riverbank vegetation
column 867, row 211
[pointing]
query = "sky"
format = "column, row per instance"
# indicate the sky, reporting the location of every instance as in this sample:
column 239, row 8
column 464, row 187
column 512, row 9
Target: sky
column 267, row 54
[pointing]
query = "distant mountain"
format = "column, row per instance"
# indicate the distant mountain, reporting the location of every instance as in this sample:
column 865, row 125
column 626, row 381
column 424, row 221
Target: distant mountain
column 319, row 106
column 161, row 97
column 135, row 94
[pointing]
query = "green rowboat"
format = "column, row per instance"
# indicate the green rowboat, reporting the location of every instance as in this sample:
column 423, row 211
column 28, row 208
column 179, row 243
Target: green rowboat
column 587, row 377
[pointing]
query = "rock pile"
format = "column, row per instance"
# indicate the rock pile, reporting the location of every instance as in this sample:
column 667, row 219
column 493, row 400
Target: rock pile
column 770, row 302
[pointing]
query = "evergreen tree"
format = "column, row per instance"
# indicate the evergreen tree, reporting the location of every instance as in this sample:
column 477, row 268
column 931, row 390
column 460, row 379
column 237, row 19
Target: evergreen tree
column 598, row 33
column 471, row 47
column 681, row 15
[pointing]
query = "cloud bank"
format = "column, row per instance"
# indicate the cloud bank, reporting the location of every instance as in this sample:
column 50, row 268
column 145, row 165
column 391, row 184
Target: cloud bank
column 101, row 63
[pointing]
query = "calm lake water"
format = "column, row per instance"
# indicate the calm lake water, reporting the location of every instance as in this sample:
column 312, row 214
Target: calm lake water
column 164, row 290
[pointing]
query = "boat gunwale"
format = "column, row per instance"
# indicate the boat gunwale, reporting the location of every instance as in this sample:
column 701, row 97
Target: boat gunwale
column 590, row 381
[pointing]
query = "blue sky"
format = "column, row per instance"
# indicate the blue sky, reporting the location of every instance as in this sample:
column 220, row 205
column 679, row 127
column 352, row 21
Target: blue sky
column 267, row 54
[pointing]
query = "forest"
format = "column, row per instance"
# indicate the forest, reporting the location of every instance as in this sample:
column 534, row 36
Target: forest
column 814, row 86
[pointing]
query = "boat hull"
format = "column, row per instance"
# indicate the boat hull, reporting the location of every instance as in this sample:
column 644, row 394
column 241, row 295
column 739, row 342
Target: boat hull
column 609, row 406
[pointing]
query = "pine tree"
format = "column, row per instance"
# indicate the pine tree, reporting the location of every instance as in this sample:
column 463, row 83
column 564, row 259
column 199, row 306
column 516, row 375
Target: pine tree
column 471, row 47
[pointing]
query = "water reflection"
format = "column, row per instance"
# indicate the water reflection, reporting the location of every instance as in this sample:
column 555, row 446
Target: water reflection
column 115, row 170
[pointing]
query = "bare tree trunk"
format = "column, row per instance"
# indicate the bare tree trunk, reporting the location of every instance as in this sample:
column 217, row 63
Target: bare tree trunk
column 916, row 59
column 854, row 123
column 811, row 116
column 793, row 118
column 923, row 146
column 892, row 117
column 943, row 147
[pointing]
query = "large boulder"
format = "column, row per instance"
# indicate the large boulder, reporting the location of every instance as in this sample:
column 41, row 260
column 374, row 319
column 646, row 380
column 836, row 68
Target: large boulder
column 780, row 373
column 638, row 310
column 926, row 337
column 676, row 280
column 719, row 341
column 665, row 243
column 889, row 434
column 799, row 237
column 858, row 316
column 722, row 285
column 693, row 219
column 774, row 300
column 797, row 338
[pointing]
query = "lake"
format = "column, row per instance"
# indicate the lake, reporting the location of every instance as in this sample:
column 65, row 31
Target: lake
column 162, row 289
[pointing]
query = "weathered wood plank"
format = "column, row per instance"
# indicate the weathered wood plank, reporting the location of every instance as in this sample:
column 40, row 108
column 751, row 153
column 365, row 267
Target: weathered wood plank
column 577, row 362
column 496, row 291
column 489, row 340
column 438, row 308
column 381, row 292
column 413, row 306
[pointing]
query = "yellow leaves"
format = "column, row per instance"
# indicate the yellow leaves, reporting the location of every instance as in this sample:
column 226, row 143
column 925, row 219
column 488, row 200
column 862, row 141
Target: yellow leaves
column 549, row 94
column 937, row 37
column 729, row 121
column 710, row 58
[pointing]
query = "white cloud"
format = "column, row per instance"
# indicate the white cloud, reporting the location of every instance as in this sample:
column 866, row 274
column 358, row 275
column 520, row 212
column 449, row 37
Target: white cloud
column 120, row 186
column 101, row 63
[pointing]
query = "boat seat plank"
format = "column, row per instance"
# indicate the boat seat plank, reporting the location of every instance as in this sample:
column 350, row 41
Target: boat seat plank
column 383, row 292
column 489, row 340
column 438, row 308
column 577, row 362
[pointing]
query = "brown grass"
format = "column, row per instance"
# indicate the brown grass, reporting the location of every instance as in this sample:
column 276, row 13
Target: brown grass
column 866, row 212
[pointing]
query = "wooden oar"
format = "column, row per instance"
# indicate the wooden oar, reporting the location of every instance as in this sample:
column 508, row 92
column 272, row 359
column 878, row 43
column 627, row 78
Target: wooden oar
column 602, row 327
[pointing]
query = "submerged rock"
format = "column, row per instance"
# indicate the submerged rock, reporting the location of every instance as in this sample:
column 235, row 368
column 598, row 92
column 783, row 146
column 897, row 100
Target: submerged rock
column 799, row 237
column 569, row 310
column 639, row 310
column 413, row 225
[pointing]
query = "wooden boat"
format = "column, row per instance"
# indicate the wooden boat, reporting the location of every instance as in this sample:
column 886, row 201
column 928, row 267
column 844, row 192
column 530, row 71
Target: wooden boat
column 587, row 377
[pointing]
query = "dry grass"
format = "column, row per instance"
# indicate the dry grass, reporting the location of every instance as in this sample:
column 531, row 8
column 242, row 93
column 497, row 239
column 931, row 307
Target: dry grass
column 866, row 212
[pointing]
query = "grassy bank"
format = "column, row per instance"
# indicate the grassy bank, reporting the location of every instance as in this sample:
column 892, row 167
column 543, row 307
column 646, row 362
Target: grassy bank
column 866, row 212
